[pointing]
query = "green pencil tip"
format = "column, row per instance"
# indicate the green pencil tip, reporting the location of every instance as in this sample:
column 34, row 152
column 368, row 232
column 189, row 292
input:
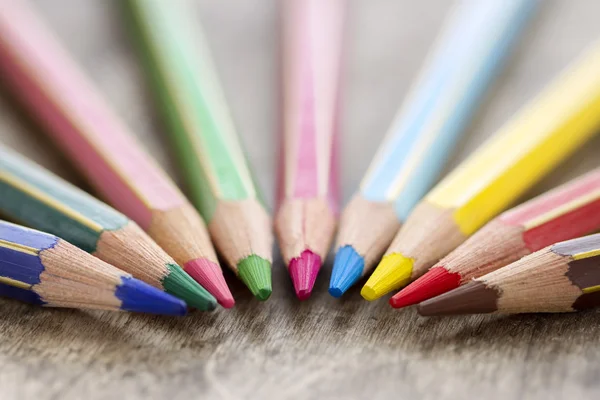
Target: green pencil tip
column 181, row 285
column 255, row 272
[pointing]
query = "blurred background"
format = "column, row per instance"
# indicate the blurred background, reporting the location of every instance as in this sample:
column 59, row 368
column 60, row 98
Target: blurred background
column 324, row 348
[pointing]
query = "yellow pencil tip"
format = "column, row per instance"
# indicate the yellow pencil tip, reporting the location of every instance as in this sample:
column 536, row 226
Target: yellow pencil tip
column 368, row 293
column 393, row 272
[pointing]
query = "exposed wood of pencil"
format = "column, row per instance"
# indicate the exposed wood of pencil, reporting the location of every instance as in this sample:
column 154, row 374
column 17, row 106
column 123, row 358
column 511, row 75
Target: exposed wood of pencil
column 182, row 231
column 133, row 251
column 71, row 277
column 304, row 225
column 546, row 281
column 428, row 235
column 493, row 246
column 241, row 229
column 368, row 227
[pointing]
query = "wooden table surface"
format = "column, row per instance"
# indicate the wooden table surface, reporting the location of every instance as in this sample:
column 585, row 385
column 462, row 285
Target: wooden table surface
column 323, row 348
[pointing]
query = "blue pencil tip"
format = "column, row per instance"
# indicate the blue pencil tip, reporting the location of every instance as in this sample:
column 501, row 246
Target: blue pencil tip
column 137, row 296
column 347, row 269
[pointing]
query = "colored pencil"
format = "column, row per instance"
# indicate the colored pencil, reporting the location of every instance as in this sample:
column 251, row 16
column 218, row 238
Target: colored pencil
column 563, row 277
column 57, row 92
column 308, row 174
column 33, row 196
column 468, row 54
column 562, row 118
column 201, row 127
column 58, row 274
column 567, row 212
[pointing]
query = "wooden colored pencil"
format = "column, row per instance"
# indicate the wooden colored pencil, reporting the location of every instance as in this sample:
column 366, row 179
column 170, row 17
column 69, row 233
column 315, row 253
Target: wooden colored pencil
column 467, row 56
column 562, row 118
column 202, row 130
column 56, row 91
column 33, row 196
column 563, row 277
column 567, row 212
column 308, row 181
column 59, row 274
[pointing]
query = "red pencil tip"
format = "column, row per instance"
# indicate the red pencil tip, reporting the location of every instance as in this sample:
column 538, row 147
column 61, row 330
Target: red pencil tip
column 303, row 271
column 210, row 276
column 435, row 282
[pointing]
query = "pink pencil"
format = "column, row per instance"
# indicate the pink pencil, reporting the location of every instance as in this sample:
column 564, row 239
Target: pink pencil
column 57, row 92
column 308, row 181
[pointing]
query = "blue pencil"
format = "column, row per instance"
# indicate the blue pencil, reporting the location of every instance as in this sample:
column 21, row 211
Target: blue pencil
column 40, row 268
column 476, row 39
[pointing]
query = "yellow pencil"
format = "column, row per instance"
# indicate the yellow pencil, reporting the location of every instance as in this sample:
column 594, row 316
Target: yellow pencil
column 544, row 133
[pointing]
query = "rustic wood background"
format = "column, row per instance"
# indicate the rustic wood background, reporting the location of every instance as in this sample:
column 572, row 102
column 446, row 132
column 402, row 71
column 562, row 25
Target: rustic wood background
column 323, row 348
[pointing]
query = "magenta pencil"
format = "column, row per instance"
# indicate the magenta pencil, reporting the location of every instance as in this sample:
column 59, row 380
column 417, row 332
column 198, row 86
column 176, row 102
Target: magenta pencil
column 56, row 92
column 308, row 182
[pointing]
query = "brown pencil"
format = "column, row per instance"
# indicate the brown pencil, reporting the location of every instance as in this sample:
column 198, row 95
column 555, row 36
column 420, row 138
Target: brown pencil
column 563, row 277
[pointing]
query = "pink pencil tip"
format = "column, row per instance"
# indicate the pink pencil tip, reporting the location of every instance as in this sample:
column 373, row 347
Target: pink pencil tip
column 303, row 271
column 210, row 276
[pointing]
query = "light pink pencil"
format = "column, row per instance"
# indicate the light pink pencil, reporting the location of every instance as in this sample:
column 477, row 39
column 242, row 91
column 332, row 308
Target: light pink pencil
column 57, row 92
column 308, row 181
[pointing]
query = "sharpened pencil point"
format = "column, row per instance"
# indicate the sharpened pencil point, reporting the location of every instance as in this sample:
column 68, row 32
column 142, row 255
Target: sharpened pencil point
column 473, row 298
column 303, row 271
column 348, row 267
column 392, row 273
column 435, row 282
column 181, row 285
column 210, row 276
column 137, row 296
column 255, row 272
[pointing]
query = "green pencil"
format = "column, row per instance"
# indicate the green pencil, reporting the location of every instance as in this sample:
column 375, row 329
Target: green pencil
column 218, row 177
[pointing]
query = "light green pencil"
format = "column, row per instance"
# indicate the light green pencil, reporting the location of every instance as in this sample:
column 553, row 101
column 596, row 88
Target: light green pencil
column 218, row 177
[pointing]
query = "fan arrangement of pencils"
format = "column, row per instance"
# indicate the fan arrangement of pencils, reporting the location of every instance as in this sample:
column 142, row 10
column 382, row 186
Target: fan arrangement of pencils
column 453, row 247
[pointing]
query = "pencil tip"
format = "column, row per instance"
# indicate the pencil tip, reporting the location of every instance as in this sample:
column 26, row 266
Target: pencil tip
column 348, row 267
column 210, row 276
column 473, row 298
column 137, row 296
column 436, row 281
column 181, row 285
column 255, row 272
column 303, row 271
column 393, row 272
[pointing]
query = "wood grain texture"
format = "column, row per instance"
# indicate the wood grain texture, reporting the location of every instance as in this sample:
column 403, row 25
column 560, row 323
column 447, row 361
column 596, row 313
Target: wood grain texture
column 316, row 349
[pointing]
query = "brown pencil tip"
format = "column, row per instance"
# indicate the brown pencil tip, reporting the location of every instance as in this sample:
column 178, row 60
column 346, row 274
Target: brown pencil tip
column 472, row 298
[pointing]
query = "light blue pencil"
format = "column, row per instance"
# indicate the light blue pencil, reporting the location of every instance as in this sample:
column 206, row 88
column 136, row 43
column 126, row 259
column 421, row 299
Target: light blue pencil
column 470, row 49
